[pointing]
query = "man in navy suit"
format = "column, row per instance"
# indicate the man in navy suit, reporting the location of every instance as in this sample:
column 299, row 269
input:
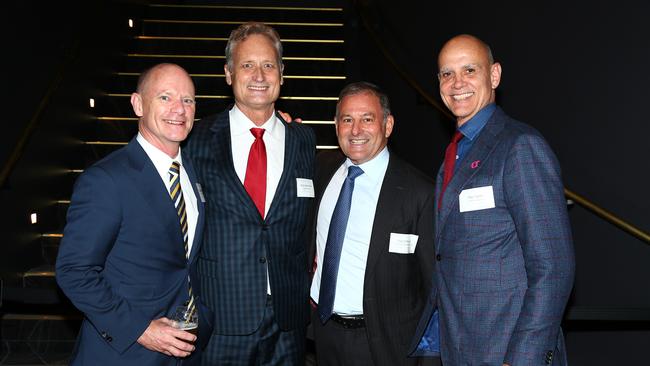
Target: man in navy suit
column 123, row 260
column 504, row 253
column 384, row 270
column 257, row 171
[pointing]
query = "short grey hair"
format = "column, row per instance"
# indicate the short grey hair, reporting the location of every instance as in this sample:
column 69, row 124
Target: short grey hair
column 361, row 87
column 248, row 29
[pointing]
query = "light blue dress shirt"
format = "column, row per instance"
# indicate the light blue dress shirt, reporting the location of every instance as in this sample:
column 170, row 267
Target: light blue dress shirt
column 354, row 254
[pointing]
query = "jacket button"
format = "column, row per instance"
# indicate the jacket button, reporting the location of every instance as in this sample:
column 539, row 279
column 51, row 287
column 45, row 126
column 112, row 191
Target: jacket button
column 262, row 260
column 109, row 339
column 438, row 257
column 265, row 227
column 104, row 335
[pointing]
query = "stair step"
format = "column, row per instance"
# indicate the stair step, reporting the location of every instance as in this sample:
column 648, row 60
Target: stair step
column 304, row 47
column 313, row 34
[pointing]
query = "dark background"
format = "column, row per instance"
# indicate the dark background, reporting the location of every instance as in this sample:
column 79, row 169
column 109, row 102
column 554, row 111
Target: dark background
column 573, row 70
column 576, row 71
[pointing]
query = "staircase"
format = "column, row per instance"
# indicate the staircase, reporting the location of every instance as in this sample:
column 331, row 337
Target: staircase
column 193, row 36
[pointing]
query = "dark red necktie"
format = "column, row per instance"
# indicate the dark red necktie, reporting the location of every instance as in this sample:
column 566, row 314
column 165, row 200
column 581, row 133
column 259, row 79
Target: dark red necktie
column 450, row 161
column 255, row 180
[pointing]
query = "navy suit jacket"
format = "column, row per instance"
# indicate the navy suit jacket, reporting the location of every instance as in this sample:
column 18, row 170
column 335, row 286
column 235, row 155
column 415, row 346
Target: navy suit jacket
column 504, row 274
column 122, row 260
column 240, row 247
column 395, row 286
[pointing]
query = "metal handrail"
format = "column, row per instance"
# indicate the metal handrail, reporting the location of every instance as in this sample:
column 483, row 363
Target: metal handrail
column 582, row 201
column 608, row 216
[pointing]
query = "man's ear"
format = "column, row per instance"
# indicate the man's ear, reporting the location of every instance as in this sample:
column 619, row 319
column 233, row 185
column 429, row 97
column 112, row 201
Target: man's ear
column 390, row 121
column 495, row 74
column 226, row 71
column 136, row 103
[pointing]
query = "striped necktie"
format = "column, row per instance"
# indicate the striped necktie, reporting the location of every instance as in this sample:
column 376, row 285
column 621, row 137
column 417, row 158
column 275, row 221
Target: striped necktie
column 176, row 193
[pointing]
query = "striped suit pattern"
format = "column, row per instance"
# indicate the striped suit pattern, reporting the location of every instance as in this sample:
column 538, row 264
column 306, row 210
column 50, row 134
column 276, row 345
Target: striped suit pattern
column 239, row 246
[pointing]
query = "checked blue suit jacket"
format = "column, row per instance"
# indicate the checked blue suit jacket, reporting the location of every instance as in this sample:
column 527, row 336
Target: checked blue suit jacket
column 503, row 274
column 122, row 259
column 239, row 246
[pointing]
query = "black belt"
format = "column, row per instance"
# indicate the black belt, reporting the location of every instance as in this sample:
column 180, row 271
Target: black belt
column 349, row 322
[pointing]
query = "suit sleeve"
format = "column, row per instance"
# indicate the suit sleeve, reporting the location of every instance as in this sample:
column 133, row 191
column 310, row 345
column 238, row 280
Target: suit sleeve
column 535, row 199
column 93, row 223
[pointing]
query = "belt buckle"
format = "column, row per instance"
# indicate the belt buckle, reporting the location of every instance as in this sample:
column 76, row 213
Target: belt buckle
column 352, row 322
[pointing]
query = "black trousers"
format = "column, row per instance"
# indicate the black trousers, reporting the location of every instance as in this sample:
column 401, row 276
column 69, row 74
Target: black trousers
column 339, row 346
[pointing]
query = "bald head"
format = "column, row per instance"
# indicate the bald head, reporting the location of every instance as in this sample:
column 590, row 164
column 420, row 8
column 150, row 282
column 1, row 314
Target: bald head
column 155, row 71
column 468, row 40
column 468, row 76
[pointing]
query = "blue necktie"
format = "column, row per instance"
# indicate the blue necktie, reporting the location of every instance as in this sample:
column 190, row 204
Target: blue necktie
column 334, row 244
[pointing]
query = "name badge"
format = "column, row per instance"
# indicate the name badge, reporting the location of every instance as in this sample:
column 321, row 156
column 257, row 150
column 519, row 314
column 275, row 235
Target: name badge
column 402, row 243
column 200, row 190
column 475, row 199
column 305, row 187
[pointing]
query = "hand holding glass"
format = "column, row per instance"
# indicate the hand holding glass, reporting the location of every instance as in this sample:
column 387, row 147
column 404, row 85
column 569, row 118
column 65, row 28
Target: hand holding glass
column 185, row 318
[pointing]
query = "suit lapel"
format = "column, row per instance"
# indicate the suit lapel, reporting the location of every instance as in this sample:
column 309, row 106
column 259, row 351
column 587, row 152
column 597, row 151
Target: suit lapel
column 189, row 169
column 225, row 167
column 155, row 193
column 480, row 152
column 437, row 216
column 290, row 152
column 390, row 195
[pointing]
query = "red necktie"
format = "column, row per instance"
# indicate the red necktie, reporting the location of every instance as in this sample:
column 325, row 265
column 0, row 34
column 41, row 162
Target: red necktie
column 255, row 180
column 450, row 161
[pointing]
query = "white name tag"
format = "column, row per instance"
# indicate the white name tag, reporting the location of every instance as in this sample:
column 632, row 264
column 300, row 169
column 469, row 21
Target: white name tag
column 402, row 243
column 305, row 187
column 475, row 199
column 200, row 190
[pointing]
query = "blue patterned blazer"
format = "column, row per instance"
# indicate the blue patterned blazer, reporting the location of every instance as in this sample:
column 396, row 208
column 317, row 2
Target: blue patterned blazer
column 239, row 246
column 504, row 274
column 122, row 260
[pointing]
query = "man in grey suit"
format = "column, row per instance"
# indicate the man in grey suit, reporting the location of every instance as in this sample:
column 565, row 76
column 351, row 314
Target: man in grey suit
column 257, row 174
column 370, row 286
column 504, row 253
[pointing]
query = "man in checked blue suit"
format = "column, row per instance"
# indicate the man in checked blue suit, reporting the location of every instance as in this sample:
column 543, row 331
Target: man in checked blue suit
column 257, row 171
column 504, row 253
column 124, row 260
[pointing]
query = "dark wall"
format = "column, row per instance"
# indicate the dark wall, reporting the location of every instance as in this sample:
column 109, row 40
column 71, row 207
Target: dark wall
column 573, row 70
column 576, row 72
column 38, row 38
column 56, row 52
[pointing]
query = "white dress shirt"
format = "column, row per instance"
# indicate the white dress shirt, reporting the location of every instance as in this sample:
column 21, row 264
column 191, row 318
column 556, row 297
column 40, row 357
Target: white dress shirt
column 162, row 162
column 354, row 254
column 241, row 140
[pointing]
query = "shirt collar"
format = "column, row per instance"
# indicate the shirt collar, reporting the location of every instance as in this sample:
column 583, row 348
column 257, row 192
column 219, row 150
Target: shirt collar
column 374, row 168
column 474, row 125
column 160, row 160
column 240, row 124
